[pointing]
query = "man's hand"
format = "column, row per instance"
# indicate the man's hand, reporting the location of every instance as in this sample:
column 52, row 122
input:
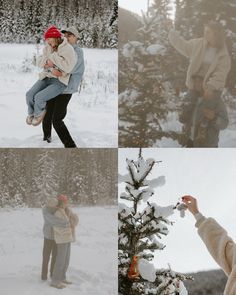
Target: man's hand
column 209, row 114
column 56, row 73
column 50, row 63
column 191, row 203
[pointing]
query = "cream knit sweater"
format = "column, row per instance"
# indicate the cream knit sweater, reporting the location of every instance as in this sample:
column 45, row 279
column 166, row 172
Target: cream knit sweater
column 221, row 247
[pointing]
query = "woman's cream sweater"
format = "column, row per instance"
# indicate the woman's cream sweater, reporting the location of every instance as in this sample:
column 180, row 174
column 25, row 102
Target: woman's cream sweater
column 221, row 247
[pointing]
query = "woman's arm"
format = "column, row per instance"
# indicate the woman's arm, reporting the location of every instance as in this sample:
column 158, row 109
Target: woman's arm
column 180, row 44
column 216, row 239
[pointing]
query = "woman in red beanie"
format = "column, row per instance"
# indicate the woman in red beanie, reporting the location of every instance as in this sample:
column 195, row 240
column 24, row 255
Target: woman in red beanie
column 58, row 55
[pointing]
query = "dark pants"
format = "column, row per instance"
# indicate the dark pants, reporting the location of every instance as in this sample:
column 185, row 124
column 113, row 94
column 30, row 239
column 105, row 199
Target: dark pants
column 49, row 248
column 56, row 112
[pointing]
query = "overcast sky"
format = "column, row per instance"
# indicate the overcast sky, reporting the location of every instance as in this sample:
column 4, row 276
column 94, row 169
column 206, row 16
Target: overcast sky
column 135, row 5
column 207, row 174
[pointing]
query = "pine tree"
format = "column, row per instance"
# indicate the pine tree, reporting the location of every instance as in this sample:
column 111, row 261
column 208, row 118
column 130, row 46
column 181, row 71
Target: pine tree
column 24, row 21
column 45, row 177
column 144, row 105
column 141, row 225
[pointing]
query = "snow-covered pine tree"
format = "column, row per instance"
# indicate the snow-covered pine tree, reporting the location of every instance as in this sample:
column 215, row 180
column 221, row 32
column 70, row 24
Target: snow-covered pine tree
column 45, row 180
column 24, row 21
column 141, row 225
column 144, row 105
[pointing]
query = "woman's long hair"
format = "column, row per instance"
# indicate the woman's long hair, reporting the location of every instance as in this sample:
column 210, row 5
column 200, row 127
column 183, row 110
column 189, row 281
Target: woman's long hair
column 58, row 41
column 218, row 32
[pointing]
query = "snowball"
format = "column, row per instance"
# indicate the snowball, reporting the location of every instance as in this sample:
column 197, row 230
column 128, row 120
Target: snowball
column 129, row 48
column 149, row 161
column 155, row 49
column 160, row 181
column 163, row 211
column 147, row 193
column 182, row 208
column 147, row 270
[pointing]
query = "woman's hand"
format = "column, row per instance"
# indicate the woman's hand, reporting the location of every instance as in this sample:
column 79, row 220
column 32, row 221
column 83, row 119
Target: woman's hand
column 191, row 203
column 46, row 66
column 50, row 63
column 56, row 73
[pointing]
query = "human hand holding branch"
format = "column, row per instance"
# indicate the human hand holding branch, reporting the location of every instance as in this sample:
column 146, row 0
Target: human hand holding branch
column 191, row 203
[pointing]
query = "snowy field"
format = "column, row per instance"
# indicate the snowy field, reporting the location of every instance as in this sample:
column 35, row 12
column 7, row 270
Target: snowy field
column 92, row 115
column 93, row 265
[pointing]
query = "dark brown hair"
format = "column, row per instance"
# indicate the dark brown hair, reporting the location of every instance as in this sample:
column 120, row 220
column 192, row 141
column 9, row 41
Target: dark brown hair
column 219, row 34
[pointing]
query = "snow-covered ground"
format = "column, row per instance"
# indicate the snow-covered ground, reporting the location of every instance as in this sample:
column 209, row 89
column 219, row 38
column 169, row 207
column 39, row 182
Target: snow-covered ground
column 227, row 138
column 92, row 115
column 93, row 265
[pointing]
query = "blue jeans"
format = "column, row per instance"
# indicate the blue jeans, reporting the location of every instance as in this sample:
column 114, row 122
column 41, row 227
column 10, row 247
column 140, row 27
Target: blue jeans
column 41, row 92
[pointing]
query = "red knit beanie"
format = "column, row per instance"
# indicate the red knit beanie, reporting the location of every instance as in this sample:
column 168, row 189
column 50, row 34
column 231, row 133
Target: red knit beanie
column 52, row 32
column 63, row 198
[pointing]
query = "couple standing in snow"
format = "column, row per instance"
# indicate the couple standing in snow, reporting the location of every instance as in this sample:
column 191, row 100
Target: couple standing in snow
column 63, row 68
column 205, row 113
column 59, row 232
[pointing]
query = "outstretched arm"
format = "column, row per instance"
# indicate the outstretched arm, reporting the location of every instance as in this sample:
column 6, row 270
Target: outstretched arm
column 215, row 237
column 183, row 46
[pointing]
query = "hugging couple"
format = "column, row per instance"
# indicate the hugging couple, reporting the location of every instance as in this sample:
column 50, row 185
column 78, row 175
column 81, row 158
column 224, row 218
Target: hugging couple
column 62, row 66
column 59, row 232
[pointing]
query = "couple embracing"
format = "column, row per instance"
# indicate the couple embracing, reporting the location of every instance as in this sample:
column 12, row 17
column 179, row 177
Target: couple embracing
column 62, row 66
column 59, row 233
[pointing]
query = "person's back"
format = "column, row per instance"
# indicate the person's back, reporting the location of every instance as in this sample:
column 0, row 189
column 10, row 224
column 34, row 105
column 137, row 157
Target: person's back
column 77, row 72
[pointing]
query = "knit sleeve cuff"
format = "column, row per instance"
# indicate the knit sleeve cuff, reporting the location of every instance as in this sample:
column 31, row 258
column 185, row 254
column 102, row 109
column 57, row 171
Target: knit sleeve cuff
column 199, row 219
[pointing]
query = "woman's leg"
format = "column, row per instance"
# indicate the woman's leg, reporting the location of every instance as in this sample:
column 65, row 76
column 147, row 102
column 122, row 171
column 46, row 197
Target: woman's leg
column 67, row 262
column 38, row 86
column 54, row 88
column 58, row 270
column 59, row 114
column 54, row 255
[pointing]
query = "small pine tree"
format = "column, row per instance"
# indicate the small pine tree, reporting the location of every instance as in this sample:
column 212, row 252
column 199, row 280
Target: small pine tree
column 146, row 101
column 141, row 226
